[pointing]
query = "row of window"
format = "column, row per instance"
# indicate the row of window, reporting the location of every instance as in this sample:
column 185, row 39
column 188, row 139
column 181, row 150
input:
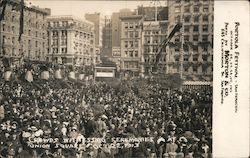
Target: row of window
column 13, row 41
column 196, row 28
column 196, row 18
column 204, row 38
column 131, row 64
column 131, row 54
column 55, row 42
column 131, row 25
column 13, row 30
column 195, row 48
column 131, row 34
column 194, row 8
column 131, row 44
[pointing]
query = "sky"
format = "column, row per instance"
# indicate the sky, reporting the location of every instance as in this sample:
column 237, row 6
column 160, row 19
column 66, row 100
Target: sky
column 80, row 7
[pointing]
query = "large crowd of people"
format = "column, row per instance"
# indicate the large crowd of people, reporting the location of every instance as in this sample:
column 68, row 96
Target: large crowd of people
column 47, row 119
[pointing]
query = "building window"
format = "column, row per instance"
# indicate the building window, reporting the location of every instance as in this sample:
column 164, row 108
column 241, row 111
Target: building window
column 195, row 58
column 205, row 48
column 177, row 59
column 204, row 38
column 126, row 53
column 131, row 25
column 205, row 8
column 204, row 69
column 13, row 40
column 196, row 28
column 130, row 53
column 195, row 37
column 155, row 48
column 186, row 28
column 177, row 49
column 205, row 28
column 63, row 42
column 126, row 44
column 147, row 40
column 177, row 9
column 126, row 34
column 196, row 18
column 64, row 33
column 195, row 69
column 177, row 19
column 3, row 27
column 136, row 34
column 186, row 48
column 196, row 8
column 186, row 9
column 131, row 44
column 136, row 44
column 204, row 57
column 13, row 29
column 195, row 48
column 186, row 38
column 131, row 34
column 187, row 19
column 205, row 18
column 125, row 25
column 136, row 53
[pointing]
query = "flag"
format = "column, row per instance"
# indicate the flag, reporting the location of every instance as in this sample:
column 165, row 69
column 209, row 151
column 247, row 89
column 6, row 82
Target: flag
column 3, row 4
column 21, row 20
column 166, row 41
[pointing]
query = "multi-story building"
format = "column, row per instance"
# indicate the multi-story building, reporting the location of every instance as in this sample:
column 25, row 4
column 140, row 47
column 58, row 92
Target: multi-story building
column 33, row 44
column 153, row 34
column 99, row 22
column 107, row 38
column 190, row 52
column 131, row 32
column 71, row 41
column 116, row 25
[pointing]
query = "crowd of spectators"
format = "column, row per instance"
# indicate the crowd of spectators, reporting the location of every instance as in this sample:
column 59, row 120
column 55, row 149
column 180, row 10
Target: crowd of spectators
column 180, row 122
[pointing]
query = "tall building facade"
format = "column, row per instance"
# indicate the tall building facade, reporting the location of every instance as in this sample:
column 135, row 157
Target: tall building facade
column 33, row 44
column 107, row 37
column 71, row 41
column 190, row 52
column 116, row 25
column 153, row 34
column 98, row 20
column 131, row 32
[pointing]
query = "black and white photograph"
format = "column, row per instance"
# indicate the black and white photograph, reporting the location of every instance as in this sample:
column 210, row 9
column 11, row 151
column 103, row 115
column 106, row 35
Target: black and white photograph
column 106, row 79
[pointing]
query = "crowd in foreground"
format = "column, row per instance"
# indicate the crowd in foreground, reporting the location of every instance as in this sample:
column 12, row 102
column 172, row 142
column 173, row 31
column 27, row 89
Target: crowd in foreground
column 180, row 122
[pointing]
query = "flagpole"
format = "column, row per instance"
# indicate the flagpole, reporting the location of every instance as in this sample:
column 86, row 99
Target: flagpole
column 182, row 40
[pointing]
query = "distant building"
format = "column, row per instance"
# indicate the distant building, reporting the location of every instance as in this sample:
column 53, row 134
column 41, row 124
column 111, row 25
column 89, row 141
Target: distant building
column 131, row 32
column 71, row 41
column 99, row 23
column 107, row 37
column 33, row 44
column 193, row 58
column 116, row 25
